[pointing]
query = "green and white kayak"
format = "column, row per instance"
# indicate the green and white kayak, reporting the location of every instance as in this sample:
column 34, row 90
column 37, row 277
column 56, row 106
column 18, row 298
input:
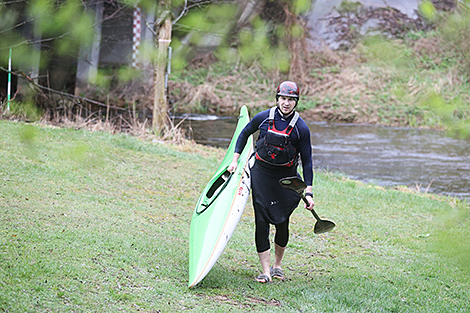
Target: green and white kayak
column 219, row 208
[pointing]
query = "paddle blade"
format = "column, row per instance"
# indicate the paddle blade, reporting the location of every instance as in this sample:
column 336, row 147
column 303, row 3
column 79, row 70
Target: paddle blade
column 323, row 226
column 293, row 183
column 298, row 185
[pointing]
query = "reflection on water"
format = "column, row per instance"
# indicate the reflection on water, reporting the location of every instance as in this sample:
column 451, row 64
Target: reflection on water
column 209, row 130
column 384, row 156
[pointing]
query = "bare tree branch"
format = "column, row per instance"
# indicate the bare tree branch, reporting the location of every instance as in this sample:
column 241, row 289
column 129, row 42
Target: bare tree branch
column 41, row 90
column 183, row 12
column 198, row 3
column 15, row 26
column 12, row 2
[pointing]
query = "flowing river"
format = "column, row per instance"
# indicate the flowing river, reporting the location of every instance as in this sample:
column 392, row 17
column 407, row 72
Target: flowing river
column 385, row 156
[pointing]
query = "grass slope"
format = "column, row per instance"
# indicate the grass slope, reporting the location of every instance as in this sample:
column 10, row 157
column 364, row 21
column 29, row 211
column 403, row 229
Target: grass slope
column 93, row 222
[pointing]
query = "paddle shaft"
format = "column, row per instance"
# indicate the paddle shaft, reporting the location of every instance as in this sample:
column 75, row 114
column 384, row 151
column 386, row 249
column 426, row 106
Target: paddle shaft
column 312, row 210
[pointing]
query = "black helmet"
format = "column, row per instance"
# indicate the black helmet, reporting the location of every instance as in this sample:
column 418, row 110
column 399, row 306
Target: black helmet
column 288, row 89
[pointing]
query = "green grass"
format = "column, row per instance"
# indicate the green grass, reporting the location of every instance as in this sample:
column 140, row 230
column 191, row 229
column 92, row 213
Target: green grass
column 93, row 222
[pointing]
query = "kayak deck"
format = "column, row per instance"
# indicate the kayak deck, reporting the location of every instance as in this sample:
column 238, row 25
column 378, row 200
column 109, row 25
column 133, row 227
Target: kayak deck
column 219, row 208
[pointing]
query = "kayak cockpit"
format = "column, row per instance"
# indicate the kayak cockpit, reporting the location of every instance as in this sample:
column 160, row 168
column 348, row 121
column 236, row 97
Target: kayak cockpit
column 219, row 184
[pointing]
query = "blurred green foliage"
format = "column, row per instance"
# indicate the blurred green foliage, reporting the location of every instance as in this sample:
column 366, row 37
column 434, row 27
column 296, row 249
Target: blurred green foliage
column 300, row 6
column 453, row 236
column 69, row 21
column 28, row 134
column 428, row 10
column 255, row 47
column 453, row 112
column 60, row 27
column 455, row 32
column 264, row 41
column 389, row 53
column 26, row 109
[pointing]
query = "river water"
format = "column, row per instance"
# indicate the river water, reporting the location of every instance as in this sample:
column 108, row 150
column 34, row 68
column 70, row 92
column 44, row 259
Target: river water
column 385, row 156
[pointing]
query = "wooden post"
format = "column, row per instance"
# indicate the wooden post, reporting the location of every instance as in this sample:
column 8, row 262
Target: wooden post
column 160, row 105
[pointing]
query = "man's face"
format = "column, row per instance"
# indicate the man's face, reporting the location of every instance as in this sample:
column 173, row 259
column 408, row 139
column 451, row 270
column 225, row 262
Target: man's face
column 286, row 104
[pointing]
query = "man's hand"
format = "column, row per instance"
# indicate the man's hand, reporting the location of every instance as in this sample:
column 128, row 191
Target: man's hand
column 233, row 166
column 311, row 204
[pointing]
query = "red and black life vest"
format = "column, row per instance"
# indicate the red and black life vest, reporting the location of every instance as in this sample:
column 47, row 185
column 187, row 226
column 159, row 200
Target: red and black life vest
column 276, row 147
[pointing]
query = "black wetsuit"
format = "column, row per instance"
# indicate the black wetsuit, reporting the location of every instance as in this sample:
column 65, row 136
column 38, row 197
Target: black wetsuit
column 272, row 203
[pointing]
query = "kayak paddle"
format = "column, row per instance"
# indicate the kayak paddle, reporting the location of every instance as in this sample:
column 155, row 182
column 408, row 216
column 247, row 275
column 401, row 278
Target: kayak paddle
column 298, row 185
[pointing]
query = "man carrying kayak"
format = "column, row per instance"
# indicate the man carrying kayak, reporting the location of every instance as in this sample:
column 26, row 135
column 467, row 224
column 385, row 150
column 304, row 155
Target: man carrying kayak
column 283, row 139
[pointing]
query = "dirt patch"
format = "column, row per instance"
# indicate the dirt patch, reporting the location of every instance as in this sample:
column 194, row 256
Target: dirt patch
column 248, row 303
column 272, row 302
column 428, row 47
column 204, row 59
column 219, row 95
column 204, row 97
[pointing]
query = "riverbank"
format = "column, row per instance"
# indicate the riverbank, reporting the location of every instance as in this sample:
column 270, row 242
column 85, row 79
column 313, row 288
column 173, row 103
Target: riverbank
column 419, row 81
column 98, row 222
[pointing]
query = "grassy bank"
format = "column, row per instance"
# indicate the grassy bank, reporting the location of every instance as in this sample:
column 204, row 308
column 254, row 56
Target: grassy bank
column 418, row 81
column 99, row 222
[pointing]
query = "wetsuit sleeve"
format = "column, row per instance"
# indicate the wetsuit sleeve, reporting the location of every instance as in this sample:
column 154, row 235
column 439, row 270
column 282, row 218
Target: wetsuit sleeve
column 249, row 129
column 305, row 148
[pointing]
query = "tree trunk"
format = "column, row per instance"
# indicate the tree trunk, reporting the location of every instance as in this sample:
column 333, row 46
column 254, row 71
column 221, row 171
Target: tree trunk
column 160, row 106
